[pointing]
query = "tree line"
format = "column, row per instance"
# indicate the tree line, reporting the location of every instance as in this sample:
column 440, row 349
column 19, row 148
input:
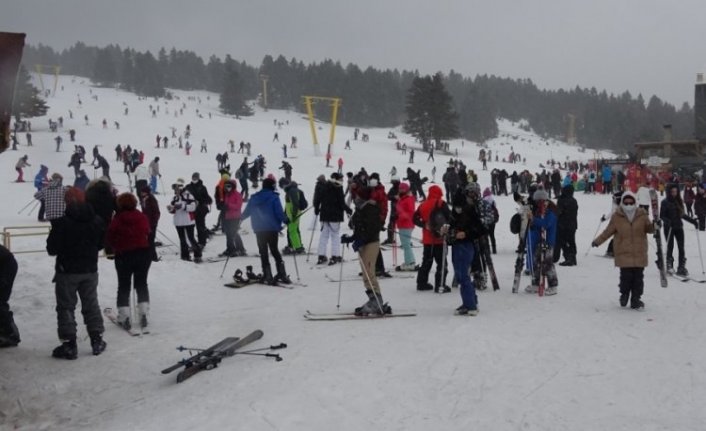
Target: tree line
column 380, row 98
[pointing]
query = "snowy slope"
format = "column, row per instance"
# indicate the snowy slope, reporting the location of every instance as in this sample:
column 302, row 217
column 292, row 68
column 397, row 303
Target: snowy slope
column 572, row 361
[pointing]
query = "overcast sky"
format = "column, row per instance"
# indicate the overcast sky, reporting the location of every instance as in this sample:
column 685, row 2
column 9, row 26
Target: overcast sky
column 643, row 46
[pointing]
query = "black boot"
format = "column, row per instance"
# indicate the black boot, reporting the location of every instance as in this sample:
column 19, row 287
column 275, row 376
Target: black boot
column 97, row 343
column 282, row 276
column 322, row 260
column 267, row 275
column 67, row 350
column 9, row 334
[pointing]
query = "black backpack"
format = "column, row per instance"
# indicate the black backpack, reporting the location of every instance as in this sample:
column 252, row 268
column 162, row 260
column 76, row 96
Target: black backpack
column 516, row 223
column 303, row 204
column 438, row 217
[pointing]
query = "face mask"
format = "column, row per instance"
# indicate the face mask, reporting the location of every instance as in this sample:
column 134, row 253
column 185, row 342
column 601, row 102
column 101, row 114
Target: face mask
column 373, row 183
column 194, row 181
column 629, row 210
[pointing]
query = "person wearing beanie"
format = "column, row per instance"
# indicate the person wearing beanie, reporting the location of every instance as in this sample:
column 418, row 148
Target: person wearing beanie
column 53, row 197
column 268, row 218
column 392, row 197
column 629, row 226
column 128, row 235
column 567, row 209
column 232, row 208
column 182, row 207
column 671, row 212
column 150, row 208
column 405, row 208
column 203, row 207
column 75, row 239
column 541, row 241
column 329, row 206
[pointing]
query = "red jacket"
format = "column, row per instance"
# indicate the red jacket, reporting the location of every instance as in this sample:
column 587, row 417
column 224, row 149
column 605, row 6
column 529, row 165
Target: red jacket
column 233, row 204
column 378, row 195
column 405, row 211
column 434, row 199
column 128, row 231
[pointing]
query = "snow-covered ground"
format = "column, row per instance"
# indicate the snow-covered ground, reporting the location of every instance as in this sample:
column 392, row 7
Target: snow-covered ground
column 574, row 361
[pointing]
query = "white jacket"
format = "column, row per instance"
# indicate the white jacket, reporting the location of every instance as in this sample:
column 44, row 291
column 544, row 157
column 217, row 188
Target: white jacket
column 183, row 207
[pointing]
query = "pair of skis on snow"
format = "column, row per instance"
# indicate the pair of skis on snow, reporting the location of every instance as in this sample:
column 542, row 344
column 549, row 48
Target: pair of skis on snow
column 251, row 278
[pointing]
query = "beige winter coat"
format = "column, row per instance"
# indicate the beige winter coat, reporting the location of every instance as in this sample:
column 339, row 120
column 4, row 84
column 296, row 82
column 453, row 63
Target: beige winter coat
column 630, row 242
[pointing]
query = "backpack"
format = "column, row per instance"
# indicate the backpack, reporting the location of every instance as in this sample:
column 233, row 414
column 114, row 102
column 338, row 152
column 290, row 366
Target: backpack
column 516, row 223
column 437, row 218
column 496, row 214
column 303, row 204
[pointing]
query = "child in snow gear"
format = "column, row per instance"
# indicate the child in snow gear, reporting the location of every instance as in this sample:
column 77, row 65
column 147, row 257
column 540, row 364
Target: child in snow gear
column 671, row 213
column 294, row 204
column 75, row 239
column 182, row 207
column 542, row 237
column 232, row 208
column 9, row 334
column 629, row 225
column 405, row 225
column 267, row 220
column 430, row 216
column 329, row 206
column 128, row 234
column 366, row 224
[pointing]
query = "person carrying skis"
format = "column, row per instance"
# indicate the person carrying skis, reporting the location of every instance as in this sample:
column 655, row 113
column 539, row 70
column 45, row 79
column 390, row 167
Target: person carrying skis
column 182, row 207
column 75, row 239
column 21, row 164
column 267, row 220
column 629, row 226
column 671, row 212
column 128, row 235
column 367, row 224
column 542, row 237
column 329, row 205
column 429, row 217
column 232, row 207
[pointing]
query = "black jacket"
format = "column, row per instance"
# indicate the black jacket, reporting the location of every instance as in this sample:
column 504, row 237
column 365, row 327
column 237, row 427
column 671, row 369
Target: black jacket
column 100, row 196
column 200, row 194
column 467, row 221
column 329, row 202
column 568, row 210
column 75, row 239
column 366, row 223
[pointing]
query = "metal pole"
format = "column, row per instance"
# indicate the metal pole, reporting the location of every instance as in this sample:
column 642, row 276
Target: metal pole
column 340, row 278
column 701, row 257
column 28, row 204
column 311, row 240
column 224, row 266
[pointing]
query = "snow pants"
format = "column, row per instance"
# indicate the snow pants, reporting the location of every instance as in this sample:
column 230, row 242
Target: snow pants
column 330, row 230
column 185, row 232
column 406, row 241
column 266, row 243
column 368, row 255
column 432, row 253
column 68, row 286
column 461, row 256
column 133, row 264
column 233, row 240
column 671, row 235
column 632, row 282
column 544, row 264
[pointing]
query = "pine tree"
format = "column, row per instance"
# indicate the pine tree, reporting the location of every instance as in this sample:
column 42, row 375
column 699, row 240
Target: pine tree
column 232, row 100
column 430, row 114
column 105, row 68
column 28, row 103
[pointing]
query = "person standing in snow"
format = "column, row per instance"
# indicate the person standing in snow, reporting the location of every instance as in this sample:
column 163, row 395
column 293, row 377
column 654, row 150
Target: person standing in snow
column 629, row 226
column 153, row 169
column 404, row 222
column 150, row 208
column 75, row 239
column 9, row 334
column 432, row 240
column 567, row 223
column 53, row 197
column 542, row 239
column 329, row 206
column 21, row 164
column 232, row 209
column 267, row 221
column 182, row 207
column 128, row 235
column 295, row 203
column 671, row 212
column 203, row 207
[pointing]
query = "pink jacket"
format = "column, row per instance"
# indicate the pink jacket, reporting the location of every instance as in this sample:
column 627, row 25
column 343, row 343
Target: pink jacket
column 233, row 204
column 405, row 211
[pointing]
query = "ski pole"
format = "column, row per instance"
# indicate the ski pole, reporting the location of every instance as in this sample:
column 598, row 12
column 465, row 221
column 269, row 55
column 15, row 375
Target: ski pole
column 311, row 240
column 594, row 236
column 340, row 278
column 225, row 265
column 296, row 267
column 33, row 208
column 277, row 357
column 701, row 257
column 394, row 249
column 167, row 238
column 370, row 283
column 442, row 280
column 25, row 207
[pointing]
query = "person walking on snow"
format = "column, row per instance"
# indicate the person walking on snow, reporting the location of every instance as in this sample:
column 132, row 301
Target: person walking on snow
column 629, row 226
column 671, row 212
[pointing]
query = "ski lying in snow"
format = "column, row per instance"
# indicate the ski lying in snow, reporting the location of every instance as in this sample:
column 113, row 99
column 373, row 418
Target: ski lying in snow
column 109, row 313
column 352, row 316
column 485, row 249
column 357, row 278
column 209, row 359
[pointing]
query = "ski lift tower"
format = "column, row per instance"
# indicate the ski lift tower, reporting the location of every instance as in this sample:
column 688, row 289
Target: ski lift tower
column 40, row 70
column 335, row 104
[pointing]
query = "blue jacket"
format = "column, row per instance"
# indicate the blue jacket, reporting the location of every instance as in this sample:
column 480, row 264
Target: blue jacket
column 40, row 178
column 607, row 173
column 548, row 223
column 266, row 211
column 567, row 180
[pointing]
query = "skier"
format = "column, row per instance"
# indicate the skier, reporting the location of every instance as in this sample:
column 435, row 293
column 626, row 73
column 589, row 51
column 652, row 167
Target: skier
column 671, row 213
column 21, row 164
column 267, row 220
column 431, row 239
column 204, row 148
column 203, row 206
column 567, row 209
column 182, row 207
column 295, row 203
column 450, row 180
column 542, row 238
column 490, row 201
column 75, row 239
column 154, row 174
column 329, row 205
column 411, row 156
column 340, row 165
column 630, row 225
column 41, row 181
column 405, row 225
column 75, row 162
column 366, row 223
column 9, row 334
column 128, row 235
column 232, row 207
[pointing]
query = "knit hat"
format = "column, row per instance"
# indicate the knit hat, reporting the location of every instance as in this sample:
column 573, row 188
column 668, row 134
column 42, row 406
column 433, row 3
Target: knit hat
column 126, row 202
column 375, row 175
column 404, row 187
column 487, row 192
column 540, row 195
column 225, row 177
column 56, row 176
column 179, row 182
column 195, row 176
column 268, row 183
column 394, row 178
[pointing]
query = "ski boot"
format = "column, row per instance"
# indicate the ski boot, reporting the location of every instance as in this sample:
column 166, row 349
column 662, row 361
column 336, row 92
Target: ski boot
column 681, row 269
column 288, row 250
column 322, row 259
column 334, row 260
column 143, row 309
column 300, row 250
column 282, row 276
column 267, row 276
column 98, row 345
column 124, row 318
column 9, row 334
column 67, row 350
column 374, row 306
column 238, row 276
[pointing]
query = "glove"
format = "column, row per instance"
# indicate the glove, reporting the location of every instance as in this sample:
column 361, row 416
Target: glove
column 177, row 206
column 594, row 244
column 347, row 239
column 603, row 218
column 356, row 245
